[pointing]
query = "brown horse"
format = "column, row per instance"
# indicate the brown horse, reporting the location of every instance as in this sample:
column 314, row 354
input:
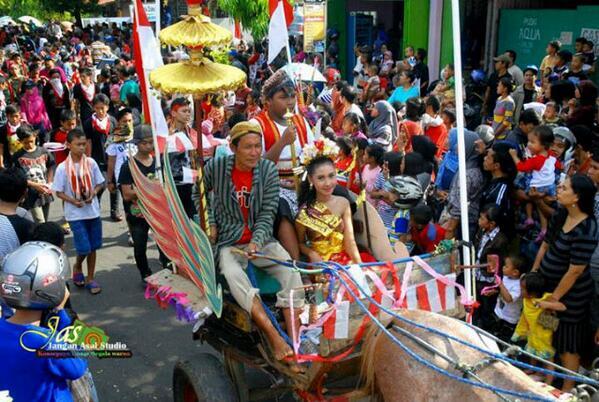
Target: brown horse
column 394, row 376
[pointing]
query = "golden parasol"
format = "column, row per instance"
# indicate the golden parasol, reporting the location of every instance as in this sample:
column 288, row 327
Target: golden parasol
column 197, row 76
column 195, row 29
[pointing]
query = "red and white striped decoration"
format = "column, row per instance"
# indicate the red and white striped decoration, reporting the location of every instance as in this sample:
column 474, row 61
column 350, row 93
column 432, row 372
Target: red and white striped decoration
column 433, row 295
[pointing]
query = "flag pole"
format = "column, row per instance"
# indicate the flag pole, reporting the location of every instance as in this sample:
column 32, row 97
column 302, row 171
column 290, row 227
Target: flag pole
column 459, row 96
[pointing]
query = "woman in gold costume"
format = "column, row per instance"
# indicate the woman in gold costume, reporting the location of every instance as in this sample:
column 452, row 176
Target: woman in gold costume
column 324, row 221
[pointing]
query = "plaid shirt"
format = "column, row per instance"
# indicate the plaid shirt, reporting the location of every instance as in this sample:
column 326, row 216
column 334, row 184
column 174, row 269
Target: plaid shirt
column 224, row 210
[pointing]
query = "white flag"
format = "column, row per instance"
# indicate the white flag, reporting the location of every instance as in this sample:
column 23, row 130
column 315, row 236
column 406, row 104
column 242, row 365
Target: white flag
column 278, row 36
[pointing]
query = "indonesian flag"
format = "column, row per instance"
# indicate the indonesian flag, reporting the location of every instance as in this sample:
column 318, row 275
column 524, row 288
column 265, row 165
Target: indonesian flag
column 147, row 57
column 281, row 16
column 433, row 296
column 190, row 176
column 179, row 142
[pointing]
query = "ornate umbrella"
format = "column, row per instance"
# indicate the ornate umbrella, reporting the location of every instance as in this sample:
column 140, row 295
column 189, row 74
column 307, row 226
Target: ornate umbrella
column 199, row 75
column 193, row 29
column 196, row 76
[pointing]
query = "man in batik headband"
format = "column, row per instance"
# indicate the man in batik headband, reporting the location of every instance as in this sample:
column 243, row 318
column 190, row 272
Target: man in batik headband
column 279, row 97
column 245, row 222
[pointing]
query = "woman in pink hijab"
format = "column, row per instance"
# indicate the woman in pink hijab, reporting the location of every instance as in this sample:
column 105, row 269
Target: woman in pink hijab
column 34, row 111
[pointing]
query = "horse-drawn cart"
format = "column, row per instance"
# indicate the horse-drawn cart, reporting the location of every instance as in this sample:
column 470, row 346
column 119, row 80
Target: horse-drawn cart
column 333, row 376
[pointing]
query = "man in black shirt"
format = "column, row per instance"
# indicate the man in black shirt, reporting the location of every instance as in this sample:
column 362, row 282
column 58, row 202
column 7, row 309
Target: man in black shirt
column 14, row 229
column 138, row 225
column 498, row 190
column 421, row 71
column 502, row 63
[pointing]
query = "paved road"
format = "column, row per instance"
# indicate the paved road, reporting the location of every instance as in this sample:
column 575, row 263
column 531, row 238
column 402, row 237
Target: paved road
column 155, row 337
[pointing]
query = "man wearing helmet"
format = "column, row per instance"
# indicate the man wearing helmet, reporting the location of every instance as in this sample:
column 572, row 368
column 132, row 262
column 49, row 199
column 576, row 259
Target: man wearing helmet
column 33, row 280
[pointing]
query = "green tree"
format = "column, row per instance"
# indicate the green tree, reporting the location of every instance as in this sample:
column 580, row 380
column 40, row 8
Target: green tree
column 75, row 8
column 253, row 15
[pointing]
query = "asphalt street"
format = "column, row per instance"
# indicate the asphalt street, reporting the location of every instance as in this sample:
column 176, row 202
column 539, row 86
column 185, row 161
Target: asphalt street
column 155, row 337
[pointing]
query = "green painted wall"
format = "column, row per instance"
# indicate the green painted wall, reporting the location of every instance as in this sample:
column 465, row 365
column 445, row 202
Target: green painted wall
column 415, row 32
column 446, row 36
column 336, row 18
column 529, row 31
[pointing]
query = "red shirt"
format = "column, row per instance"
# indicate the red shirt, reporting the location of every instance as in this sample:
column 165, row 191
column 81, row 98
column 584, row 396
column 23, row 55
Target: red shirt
column 60, row 136
column 428, row 238
column 243, row 188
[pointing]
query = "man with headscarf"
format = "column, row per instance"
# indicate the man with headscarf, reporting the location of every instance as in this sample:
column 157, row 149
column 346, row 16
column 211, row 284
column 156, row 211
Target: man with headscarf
column 383, row 128
column 279, row 97
column 245, row 221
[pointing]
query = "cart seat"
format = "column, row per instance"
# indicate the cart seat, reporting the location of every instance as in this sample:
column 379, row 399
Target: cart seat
column 266, row 283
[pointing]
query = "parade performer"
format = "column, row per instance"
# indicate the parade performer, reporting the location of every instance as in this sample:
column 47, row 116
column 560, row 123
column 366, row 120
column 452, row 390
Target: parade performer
column 324, row 219
column 245, row 221
column 279, row 96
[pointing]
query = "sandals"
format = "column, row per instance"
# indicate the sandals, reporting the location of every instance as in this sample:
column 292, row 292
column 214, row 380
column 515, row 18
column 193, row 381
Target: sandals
column 79, row 279
column 93, row 287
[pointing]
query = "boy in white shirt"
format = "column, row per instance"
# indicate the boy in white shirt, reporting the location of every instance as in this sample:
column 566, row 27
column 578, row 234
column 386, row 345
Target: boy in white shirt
column 77, row 182
column 509, row 302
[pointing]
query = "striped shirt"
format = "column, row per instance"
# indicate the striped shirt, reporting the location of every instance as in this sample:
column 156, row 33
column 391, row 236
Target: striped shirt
column 573, row 248
column 224, row 210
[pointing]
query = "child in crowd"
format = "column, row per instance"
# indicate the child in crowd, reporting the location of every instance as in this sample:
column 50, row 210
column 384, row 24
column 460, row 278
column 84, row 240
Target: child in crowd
column 449, row 119
column 503, row 114
column 38, row 165
column 391, row 168
column 433, row 126
column 345, row 159
column 325, row 126
column 373, row 84
column 446, row 88
column 541, row 167
column 411, row 125
column 22, row 373
column 9, row 142
column 372, row 161
column 354, row 126
column 532, row 327
column 490, row 240
column 551, row 115
column 77, row 181
column 68, row 121
column 564, row 142
column 424, row 233
column 509, row 302
column 253, row 104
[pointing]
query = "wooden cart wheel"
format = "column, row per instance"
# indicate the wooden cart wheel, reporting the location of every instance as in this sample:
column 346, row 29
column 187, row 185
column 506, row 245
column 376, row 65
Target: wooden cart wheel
column 202, row 380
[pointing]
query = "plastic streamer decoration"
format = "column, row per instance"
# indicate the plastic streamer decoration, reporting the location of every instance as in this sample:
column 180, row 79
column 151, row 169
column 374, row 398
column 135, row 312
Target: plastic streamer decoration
column 180, row 238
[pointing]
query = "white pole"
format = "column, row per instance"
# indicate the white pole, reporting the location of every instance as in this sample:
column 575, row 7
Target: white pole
column 459, row 97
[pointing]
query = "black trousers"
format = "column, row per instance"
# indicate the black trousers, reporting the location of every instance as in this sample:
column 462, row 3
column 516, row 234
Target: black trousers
column 139, row 233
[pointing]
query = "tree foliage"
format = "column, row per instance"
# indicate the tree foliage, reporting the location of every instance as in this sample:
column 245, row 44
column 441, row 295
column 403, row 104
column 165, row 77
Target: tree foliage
column 253, row 15
column 74, row 7
column 47, row 9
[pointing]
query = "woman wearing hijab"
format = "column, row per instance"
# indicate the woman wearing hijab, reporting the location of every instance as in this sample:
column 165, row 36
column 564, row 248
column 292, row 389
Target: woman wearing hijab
column 474, row 183
column 383, row 128
column 56, row 97
column 34, row 111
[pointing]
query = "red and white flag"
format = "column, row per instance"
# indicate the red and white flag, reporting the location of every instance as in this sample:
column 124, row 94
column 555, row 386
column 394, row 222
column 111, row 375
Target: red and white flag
column 432, row 296
column 190, row 176
column 281, row 17
column 147, row 58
